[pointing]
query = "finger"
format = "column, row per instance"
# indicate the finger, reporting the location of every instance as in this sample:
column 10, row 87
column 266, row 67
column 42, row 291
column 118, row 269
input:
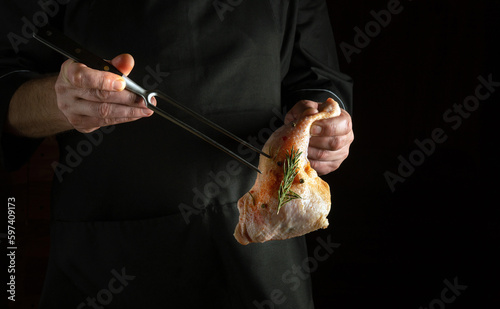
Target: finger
column 81, row 102
column 120, row 97
column 340, row 125
column 323, row 155
column 86, row 124
column 332, row 143
column 325, row 161
column 124, row 63
column 153, row 101
column 325, row 167
column 104, row 110
column 301, row 109
column 81, row 76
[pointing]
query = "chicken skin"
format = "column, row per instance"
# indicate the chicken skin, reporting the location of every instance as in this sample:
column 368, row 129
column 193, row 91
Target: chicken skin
column 288, row 199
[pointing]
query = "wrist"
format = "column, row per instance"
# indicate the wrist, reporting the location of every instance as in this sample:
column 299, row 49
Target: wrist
column 33, row 110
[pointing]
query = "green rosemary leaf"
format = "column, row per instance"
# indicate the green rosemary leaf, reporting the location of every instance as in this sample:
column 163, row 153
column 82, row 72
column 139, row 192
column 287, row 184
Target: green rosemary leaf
column 290, row 170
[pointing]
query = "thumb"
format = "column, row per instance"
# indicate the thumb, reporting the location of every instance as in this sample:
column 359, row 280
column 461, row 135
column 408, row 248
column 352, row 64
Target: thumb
column 124, row 63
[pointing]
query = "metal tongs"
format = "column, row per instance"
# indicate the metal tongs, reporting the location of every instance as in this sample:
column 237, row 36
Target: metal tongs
column 61, row 43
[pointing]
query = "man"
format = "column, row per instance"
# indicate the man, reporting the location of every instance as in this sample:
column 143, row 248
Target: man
column 143, row 212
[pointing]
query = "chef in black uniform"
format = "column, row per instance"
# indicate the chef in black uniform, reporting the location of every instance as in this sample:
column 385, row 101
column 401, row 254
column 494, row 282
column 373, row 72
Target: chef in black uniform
column 143, row 213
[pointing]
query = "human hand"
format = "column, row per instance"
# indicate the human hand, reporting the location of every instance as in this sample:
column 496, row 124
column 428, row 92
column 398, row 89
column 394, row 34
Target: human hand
column 330, row 138
column 91, row 99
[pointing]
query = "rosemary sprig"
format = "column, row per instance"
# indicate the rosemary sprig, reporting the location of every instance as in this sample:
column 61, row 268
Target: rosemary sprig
column 290, row 167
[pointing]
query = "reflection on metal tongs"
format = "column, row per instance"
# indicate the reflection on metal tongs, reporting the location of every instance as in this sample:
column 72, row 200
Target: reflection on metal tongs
column 69, row 48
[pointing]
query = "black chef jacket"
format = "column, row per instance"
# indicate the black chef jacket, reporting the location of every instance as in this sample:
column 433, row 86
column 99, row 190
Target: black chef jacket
column 143, row 213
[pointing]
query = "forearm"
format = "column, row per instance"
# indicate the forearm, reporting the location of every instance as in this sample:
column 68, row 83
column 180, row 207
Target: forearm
column 33, row 110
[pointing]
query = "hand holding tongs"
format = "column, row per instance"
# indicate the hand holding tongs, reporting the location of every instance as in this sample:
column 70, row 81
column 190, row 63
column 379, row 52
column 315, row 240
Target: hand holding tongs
column 69, row 48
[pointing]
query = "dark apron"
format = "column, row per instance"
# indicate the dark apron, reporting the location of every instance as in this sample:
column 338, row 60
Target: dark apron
column 144, row 213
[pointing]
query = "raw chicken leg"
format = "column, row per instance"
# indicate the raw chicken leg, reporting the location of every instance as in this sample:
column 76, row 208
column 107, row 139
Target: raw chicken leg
column 305, row 205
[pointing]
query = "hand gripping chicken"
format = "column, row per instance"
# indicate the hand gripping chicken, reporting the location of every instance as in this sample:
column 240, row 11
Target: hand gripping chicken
column 288, row 199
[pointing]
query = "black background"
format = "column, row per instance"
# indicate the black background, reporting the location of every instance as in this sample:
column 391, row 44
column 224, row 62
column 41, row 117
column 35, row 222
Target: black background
column 396, row 247
column 441, row 223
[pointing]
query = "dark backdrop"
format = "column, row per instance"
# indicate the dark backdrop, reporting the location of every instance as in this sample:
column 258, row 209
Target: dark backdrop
column 437, row 226
column 400, row 244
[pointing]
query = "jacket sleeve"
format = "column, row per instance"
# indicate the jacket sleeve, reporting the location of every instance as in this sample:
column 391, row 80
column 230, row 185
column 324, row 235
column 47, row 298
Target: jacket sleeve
column 309, row 57
column 21, row 59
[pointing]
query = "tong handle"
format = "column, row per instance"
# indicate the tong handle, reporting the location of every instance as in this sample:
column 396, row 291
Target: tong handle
column 60, row 42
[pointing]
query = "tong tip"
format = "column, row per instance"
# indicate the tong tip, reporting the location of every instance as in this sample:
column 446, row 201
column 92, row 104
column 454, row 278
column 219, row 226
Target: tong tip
column 265, row 154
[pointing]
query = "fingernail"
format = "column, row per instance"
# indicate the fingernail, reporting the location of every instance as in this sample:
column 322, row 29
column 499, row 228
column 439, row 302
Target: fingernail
column 316, row 130
column 119, row 85
column 147, row 112
column 153, row 101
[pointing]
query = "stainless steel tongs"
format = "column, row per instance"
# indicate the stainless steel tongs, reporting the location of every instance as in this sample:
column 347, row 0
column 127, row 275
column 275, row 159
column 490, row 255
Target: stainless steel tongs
column 69, row 48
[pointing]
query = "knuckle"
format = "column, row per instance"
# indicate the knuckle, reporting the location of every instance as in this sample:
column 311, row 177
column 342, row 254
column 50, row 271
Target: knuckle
column 345, row 155
column 334, row 166
column 103, row 83
column 321, row 154
column 60, row 87
column 335, row 127
column 104, row 110
column 77, row 77
column 130, row 97
column 349, row 124
column 102, row 95
column 76, row 121
column 340, row 142
column 344, row 125
column 308, row 104
column 133, row 113
column 107, row 122
column 62, row 105
column 335, row 143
